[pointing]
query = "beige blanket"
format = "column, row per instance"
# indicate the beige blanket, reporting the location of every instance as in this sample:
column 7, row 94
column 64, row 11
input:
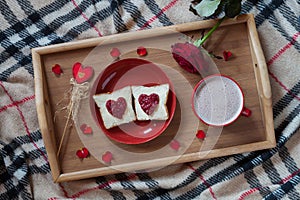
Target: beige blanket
column 24, row 168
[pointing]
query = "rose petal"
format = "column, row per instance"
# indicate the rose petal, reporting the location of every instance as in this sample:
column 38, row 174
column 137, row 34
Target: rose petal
column 82, row 153
column 56, row 69
column 226, row 55
column 115, row 52
column 86, row 129
column 141, row 51
column 175, row 145
column 107, row 157
column 201, row 134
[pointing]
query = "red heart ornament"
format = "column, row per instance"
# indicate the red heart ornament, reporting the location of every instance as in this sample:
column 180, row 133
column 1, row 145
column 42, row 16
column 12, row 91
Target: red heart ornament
column 86, row 129
column 107, row 157
column 116, row 108
column 148, row 103
column 175, row 145
column 82, row 153
column 56, row 69
column 82, row 74
column 227, row 55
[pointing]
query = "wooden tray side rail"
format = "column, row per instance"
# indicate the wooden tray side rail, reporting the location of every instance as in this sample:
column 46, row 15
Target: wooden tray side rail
column 263, row 81
column 44, row 114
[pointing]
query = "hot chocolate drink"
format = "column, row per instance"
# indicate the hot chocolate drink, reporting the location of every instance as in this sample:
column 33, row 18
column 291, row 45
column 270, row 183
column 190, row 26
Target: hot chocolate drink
column 218, row 100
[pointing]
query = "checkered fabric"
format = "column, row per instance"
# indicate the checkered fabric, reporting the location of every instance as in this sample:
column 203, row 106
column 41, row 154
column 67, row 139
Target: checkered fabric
column 24, row 167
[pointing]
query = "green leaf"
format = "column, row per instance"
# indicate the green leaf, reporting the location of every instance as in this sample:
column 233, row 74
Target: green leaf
column 207, row 7
column 233, row 8
column 220, row 8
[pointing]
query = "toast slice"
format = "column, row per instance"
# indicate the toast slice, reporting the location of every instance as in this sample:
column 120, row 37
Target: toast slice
column 116, row 107
column 150, row 102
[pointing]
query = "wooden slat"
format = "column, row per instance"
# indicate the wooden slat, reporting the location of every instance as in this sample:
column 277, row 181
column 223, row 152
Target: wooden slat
column 44, row 114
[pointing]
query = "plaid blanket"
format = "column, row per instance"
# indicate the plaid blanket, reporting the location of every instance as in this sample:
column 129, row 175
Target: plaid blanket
column 24, row 167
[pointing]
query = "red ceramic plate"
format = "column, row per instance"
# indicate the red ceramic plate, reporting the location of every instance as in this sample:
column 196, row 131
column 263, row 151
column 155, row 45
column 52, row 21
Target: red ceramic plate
column 132, row 72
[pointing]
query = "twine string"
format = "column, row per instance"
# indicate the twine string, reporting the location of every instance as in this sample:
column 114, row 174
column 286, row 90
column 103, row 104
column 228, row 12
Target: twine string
column 78, row 92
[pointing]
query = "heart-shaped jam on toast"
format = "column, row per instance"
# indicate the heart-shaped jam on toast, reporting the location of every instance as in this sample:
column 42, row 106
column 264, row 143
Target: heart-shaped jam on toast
column 148, row 103
column 116, row 108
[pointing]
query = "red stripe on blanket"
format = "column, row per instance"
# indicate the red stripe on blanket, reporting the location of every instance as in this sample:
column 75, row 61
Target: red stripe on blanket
column 24, row 121
column 16, row 103
column 101, row 186
column 247, row 193
column 164, row 9
column 284, row 180
column 275, row 57
column 64, row 190
column 86, row 18
column 283, row 86
column 203, row 180
column 283, row 49
column 289, row 177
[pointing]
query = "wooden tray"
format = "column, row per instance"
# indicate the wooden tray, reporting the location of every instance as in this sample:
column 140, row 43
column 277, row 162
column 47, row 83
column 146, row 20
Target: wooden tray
column 247, row 67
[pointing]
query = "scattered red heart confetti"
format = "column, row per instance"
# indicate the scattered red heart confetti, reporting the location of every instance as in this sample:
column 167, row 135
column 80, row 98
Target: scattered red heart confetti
column 107, row 157
column 141, row 51
column 86, row 129
column 115, row 52
column 201, row 134
column 82, row 74
column 56, row 69
column 82, row 153
column 116, row 108
column 246, row 112
column 175, row 145
column 227, row 55
column 148, row 102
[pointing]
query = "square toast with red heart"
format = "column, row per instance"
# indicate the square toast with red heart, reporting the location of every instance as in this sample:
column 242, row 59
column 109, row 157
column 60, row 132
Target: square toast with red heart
column 133, row 103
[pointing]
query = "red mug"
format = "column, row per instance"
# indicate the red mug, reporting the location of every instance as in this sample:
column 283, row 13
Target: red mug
column 218, row 100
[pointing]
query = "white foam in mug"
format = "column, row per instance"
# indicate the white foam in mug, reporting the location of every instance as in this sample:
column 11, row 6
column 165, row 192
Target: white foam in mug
column 218, row 101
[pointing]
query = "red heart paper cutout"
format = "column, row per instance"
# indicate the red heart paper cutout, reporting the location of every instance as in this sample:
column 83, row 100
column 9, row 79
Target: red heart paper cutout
column 82, row 153
column 148, row 103
column 115, row 52
column 107, row 157
column 227, row 55
column 82, row 74
column 141, row 51
column 86, row 129
column 116, row 108
column 56, row 69
column 201, row 134
column 175, row 145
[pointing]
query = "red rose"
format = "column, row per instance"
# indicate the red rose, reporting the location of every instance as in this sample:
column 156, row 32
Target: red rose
column 189, row 57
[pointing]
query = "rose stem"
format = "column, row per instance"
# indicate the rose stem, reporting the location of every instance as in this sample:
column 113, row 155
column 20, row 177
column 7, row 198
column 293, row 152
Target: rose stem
column 198, row 43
